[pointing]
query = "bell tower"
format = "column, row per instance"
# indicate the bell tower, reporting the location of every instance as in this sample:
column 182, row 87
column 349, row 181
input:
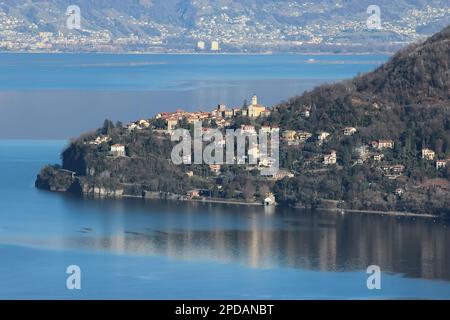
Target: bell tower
column 254, row 100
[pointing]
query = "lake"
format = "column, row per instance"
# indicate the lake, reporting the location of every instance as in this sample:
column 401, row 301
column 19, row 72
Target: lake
column 153, row 249
column 137, row 249
column 51, row 96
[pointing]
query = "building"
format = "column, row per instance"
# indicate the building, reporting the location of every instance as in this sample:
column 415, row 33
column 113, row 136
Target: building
column 330, row 159
column 228, row 113
column 190, row 174
column 192, row 119
column 362, row 152
column 305, row 113
column 428, row 154
column 99, row 140
column 248, row 128
column 253, row 153
column 269, row 200
column 214, row 45
column 378, row 156
column 393, row 171
column 201, row 45
column 132, row 126
column 289, row 135
column 348, row 131
column 171, row 124
column 322, row 136
column 266, row 162
column 236, row 112
column 215, row 168
column 138, row 125
column 440, row 164
column 281, row 174
column 192, row 194
column 187, row 159
column 398, row 169
column 383, row 144
column 143, row 123
column 303, row 136
column 265, row 113
column 255, row 110
column 266, row 129
column 221, row 107
column 118, row 150
column 275, row 129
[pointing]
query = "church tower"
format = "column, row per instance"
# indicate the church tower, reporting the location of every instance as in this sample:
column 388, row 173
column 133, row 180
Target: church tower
column 254, row 100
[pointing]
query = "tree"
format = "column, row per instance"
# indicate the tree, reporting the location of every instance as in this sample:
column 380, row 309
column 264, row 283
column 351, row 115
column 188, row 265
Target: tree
column 248, row 191
column 108, row 125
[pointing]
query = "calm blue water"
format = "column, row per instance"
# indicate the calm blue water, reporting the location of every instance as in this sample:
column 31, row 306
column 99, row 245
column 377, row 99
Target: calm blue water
column 154, row 250
column 59, row 96
column 168, row 72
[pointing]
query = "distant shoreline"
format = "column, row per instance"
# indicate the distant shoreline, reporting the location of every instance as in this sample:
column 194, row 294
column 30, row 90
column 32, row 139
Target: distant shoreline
column 207, row 53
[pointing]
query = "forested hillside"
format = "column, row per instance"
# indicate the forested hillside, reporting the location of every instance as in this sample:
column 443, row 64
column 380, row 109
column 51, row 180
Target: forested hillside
column 389, row 129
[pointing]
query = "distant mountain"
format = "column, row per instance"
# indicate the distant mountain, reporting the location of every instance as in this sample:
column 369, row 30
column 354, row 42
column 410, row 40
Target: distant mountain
column 238, row 25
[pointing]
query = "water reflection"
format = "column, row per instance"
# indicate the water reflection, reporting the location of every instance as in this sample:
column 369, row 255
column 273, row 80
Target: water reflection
column 264, row 238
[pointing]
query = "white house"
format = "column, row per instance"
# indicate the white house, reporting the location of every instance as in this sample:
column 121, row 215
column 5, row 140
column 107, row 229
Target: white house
column 322, row 136
column 330, row 158
column 269, row 200
column 118, row 150
column 428, row 154
column 440, row 164
column 348, row 131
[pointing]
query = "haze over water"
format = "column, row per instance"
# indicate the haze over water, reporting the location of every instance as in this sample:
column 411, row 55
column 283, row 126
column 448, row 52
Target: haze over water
column 155, row 250
column 60, row 96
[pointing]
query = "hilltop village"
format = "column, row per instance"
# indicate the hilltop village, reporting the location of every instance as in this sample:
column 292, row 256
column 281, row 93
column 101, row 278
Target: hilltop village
column 380, row 142
column 255, row 117
column 318, row 169
column 303, row 153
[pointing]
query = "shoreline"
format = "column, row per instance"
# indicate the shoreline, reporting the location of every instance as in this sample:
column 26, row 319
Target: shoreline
column 336, row 210
column 178, row 197
column 207, row 53
column 388, row 213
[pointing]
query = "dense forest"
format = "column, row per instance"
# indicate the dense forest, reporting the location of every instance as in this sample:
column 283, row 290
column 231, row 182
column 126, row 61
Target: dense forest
column 406, row 101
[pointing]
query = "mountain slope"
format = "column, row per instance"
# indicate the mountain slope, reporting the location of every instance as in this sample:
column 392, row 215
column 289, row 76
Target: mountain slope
column 418, row 74
column 421, row 73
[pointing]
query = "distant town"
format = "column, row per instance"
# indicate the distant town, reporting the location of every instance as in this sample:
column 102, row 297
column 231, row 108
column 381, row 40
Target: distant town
column 224, row 31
